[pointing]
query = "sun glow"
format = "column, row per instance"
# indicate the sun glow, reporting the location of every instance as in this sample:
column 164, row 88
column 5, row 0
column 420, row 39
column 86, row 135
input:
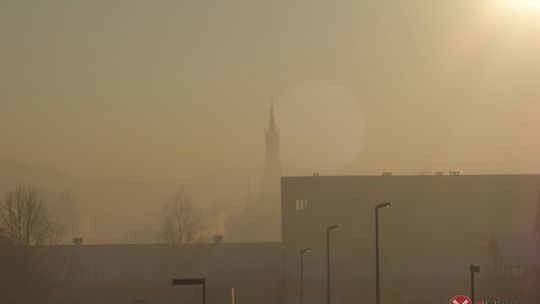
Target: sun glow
column 521, row 14
column 523, row 6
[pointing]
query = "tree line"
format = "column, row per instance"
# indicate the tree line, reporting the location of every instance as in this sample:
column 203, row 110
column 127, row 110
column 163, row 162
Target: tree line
column 32, row 270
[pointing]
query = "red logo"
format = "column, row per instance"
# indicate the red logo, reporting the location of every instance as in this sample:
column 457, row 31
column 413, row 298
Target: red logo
column 460, row 300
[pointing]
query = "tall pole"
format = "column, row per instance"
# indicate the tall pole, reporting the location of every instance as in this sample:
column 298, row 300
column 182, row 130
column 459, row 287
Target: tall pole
column 377, row 279
column 204, row 292
column 302, row 277
column 327, row 266
column 377, row 275
column 473, row 269
column 307, row 250
column 472, row 286
column 328, row 262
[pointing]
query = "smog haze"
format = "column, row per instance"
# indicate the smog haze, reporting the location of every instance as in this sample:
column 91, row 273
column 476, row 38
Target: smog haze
column 162, row 96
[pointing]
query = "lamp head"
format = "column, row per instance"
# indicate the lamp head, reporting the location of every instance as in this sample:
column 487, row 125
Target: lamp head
column 383, row 205
column 332, row 227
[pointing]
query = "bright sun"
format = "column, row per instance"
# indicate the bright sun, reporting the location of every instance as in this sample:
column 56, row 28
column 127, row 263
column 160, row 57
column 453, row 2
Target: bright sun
column 522, row 4
column 524, row 12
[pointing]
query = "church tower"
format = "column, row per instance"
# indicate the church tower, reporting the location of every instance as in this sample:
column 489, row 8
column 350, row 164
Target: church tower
column 272, row 168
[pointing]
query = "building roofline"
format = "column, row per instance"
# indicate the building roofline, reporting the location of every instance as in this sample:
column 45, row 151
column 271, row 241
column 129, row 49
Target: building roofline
column 170, row 245
column 412, row 175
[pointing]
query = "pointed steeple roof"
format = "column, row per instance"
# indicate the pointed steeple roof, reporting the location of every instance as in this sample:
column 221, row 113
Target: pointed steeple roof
column 272, row 123
column 272, row 171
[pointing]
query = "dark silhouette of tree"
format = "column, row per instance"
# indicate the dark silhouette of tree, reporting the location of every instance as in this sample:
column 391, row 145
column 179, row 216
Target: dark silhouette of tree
column 25, row 220
column 32, row 270
column 181, row 221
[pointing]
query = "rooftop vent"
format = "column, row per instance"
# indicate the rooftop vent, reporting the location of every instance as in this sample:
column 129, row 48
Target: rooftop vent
column 77, row 241
column 218, row 239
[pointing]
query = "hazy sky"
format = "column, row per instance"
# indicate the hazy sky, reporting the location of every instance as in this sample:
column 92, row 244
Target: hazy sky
column 174, row 88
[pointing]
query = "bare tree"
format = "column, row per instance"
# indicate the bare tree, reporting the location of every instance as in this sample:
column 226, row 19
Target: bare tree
column 181, row 221
column 25, row 220
column 32, row 269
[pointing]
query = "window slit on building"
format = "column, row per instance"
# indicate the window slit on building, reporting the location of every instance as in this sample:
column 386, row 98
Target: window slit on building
column 301, row 205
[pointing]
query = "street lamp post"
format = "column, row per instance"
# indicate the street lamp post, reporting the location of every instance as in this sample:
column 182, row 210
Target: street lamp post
column 377, row 276
column 473, row 269
column 328, row 262
column 306, row 250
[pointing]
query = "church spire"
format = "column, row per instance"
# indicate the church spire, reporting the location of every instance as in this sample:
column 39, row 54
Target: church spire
column 272, row 123
column 272, row 170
